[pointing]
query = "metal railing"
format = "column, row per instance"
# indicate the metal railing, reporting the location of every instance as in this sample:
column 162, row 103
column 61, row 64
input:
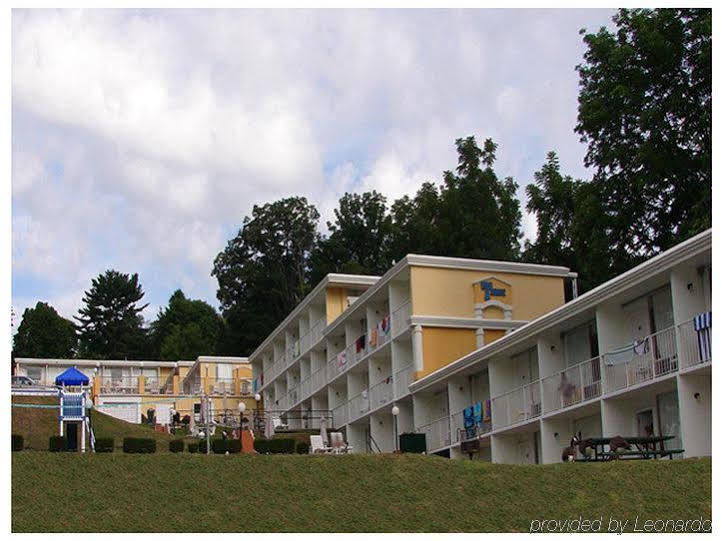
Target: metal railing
column 121, row 385
column 168, row 386
column 400, row 318
column 318, row 380
column 358, row 405
column 382, row 393
column 438, row 434
column 340, row 415
column 402, row 379
column 378, row 335
column 305, row 387
column 151, row 385
column 649, row 358
column 695, row 346
column 517, row 405
column 317, row 331
column 355, row 352
column 337, row 365
column 573, row 385
column 221, row 385
column 460, row 433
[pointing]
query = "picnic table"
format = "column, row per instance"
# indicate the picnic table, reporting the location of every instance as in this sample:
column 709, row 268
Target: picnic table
column 644, row 447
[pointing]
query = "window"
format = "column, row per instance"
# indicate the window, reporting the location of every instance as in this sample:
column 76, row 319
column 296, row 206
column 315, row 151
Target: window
column 35, row 373
column 581, row 344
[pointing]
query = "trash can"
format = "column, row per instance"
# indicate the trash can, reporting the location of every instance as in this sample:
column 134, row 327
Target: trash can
column 412, row 443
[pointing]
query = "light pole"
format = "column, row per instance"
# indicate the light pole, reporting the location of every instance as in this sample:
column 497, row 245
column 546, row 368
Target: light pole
column 395, row 413
column 241, row 409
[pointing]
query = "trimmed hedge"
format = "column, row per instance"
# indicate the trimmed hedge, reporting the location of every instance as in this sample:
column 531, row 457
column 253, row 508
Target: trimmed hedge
column 302, row 448
column 104, row 445
column 17, row 442
column 275, row 446
column 139, row 445
column 192, row 447
column 57, row 444
column 176, row 446
column 202, row 446
column 220, row 446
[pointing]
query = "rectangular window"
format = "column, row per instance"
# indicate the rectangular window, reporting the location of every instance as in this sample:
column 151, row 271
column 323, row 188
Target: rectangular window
column 35, row 373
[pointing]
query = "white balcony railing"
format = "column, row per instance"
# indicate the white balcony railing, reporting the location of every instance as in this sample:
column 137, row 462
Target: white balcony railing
column 400, row 318
column 337, row 365
column 356, row 351
column 221, row 386
column 382, row 393
column 340, row 415
column 292, row 397
column 306, row 388
column 151, row 385
column 402, row 379
column 516, row 406
column 695, row 346
column 358, row 405
column 119, row 385
column 651, row 357
column 576, row 384
column 317, row 331
column 438, row 434
column 380, row 334
column 318, row 380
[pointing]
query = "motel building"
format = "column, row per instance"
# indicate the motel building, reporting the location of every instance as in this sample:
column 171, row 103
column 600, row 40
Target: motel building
column 127, row 389
column 410, row 351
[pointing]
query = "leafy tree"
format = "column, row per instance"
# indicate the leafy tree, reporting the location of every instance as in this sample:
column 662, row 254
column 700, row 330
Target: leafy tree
column 569, row 221
column 479, row 214
column 414, row 227
column 358, row 238
column 185, row 329
column 111, row 325
column 44, row 334
column 262, row 271
column 645, row 110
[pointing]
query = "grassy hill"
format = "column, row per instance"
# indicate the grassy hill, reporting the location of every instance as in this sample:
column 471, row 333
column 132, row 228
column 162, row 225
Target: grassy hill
column 362, row 493
column 36, row 425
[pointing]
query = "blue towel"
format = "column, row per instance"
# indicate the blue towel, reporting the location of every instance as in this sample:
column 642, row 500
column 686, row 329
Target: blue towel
column 477, row 412
column 703, row 326
column 468, row 417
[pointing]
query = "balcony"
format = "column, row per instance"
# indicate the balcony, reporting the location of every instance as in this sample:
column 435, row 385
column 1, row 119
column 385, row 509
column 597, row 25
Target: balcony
column 516, row 406
column 460, row 433
column 318, row 380
column 151, row 385
column 382, row 393
column 438, row 434
column 221, row 386
column 695, row 346
column 317, row 331
column 340, row 415
column 381, row 334
column 358, row 405
column 119, row 385
column 400, row 318
column 356, row 351
column 402, row 379
column 574, row 385
column 649, row 358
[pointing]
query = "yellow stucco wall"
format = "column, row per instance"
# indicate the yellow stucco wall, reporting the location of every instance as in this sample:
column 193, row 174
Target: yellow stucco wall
column 336, row 300
column 450, row 292
column 444, row 345
column 492, row 334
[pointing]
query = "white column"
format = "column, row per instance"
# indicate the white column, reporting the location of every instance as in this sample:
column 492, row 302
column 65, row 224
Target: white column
column 417, row 345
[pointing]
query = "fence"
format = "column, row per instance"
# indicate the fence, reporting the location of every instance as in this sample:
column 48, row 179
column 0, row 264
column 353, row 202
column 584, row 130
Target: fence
column 649, row 358
column 573, row 385
column 517, row 405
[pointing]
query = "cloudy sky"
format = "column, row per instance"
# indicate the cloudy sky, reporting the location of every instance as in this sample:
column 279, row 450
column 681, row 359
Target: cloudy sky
column 141, row 138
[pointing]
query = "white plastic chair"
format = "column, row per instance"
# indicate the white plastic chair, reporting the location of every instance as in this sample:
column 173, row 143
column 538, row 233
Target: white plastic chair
column 338, row 445
column 317, row 445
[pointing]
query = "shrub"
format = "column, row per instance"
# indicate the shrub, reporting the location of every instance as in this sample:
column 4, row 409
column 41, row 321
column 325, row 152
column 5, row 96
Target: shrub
column 202, row 446
column 193, row 447
column 218, row 446
column 176, row 446
column 17, row 442
column 139, row 445
column 302, row 448
column 57, row 444
column 275, row 446
column 104, row 445
column 233, row 446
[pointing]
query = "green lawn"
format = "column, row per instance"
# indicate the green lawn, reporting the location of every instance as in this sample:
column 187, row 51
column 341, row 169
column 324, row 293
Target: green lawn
column 364, row 493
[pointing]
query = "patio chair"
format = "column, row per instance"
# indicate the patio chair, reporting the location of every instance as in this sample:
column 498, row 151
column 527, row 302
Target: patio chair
column 338, row 445
column 317, row 445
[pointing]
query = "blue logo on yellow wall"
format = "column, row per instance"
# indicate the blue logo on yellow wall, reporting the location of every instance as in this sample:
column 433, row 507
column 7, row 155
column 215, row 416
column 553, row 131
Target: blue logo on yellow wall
column 490, row 291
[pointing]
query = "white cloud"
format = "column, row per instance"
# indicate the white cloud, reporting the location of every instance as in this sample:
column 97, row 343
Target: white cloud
column 140, row 138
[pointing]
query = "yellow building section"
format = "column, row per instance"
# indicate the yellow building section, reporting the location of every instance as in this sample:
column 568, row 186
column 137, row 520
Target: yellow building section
column 336, row 302
column 444, row 345
column 450, row 292
column 492, row 334
column 185, row 406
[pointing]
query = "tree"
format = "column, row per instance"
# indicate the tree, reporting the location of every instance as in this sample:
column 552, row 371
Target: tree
column 111, row 324
column 569, row 221
column 479, row 215
column 645, row 110
column 44, row 334
column 186, row 329
column 358, row 240
column 262, row 271
column 414, row 226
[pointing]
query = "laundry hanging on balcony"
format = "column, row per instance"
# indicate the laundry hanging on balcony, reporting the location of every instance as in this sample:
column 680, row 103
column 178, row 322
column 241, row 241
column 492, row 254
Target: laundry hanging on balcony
column 620, row 356
column 703, row 328
column 469, row 417
column 486, row 411
column 384, row 326
column 477, row 412
column 360, row 343
column 341, row 360
column 374, row 337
